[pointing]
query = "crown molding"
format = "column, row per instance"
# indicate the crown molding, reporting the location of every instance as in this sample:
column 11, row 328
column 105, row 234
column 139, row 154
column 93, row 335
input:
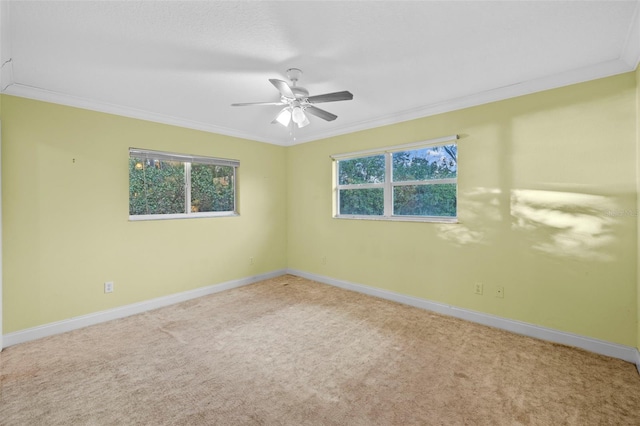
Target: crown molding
column 6, row 65
column 601, row 70
column 631, row 52
column 44, row 95
column 627, row 61
column 581, row 75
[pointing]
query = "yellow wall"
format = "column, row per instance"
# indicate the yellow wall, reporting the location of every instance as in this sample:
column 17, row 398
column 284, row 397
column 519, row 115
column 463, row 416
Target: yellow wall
column 546, row 183
column 65, row 223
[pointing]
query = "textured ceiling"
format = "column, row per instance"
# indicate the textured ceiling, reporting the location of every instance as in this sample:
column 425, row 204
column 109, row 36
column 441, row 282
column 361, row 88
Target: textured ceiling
column 185, row 62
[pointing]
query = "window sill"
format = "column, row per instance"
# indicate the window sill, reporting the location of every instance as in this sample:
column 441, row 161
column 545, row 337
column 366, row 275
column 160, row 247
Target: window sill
column 429, row 219
column 136, row 218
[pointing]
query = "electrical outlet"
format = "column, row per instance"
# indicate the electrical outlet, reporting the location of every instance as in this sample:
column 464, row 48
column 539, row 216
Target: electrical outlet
column 477, row 289
column 500, row 292
column 108, row 287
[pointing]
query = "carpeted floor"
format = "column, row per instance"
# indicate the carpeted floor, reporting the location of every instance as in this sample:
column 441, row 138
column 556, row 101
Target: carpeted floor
column 289, row 351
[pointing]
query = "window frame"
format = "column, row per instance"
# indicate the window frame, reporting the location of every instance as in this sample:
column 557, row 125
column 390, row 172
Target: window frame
column 187, row 161
column 389, row 185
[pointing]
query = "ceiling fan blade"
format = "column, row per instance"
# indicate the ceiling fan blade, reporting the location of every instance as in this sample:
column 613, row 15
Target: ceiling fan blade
column 258, row 103
column 283, row 87
column 331, row 97
column 325, row 115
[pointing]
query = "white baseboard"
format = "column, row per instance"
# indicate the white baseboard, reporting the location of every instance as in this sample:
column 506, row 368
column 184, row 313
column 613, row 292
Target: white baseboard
column 626, row 353
column 602, row 347
column 125, row 311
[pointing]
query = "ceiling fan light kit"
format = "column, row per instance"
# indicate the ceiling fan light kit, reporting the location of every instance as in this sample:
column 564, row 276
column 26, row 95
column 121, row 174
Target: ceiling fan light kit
column 299, row 117
column 296, row 101
column 284, row 117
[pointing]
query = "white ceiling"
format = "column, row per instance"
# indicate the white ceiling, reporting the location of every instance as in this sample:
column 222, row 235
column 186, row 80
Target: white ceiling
column 184, row 62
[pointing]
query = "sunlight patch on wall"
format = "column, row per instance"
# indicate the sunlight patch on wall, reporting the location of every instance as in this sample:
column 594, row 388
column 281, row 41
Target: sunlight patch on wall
column 459, row 234
column 565, row 224
column 479, row 205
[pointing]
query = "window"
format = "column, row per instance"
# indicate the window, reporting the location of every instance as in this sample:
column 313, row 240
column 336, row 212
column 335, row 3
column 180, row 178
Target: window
column 164, row 185
column 407, row 182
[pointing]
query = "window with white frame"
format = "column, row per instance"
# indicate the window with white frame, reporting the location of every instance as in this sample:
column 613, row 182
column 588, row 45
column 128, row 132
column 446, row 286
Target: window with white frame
column 406, row 182
column 165, row 185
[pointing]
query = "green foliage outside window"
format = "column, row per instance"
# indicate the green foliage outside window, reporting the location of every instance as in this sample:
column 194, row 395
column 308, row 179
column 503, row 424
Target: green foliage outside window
column 422, row 183
column 362, row 201
column 361, row 170
column 358, row 171
column 425, row 200
column 438, row 162
column 159, row 187
column 155, row 187
column 426, row 164
column 211, row 188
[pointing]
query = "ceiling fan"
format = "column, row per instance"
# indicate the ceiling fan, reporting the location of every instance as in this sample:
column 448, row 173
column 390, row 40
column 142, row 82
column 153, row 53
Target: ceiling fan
column 297, row 102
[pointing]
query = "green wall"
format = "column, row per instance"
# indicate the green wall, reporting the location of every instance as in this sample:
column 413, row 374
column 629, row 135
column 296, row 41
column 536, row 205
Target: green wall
column 65, row 219
column 545, row 185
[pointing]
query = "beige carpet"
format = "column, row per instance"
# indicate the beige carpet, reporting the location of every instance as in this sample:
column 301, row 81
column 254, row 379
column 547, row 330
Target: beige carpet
column 289, row 351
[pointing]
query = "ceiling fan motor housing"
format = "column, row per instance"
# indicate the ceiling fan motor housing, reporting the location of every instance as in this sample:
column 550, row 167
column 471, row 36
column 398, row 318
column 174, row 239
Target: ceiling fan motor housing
column 300, row 92
column 294, row 74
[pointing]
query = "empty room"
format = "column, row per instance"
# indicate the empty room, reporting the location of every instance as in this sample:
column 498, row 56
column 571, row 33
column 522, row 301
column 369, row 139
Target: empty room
column 319, row 212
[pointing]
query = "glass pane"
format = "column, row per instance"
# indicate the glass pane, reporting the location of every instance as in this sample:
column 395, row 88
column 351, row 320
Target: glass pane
column 156, row 187
column 436, row 162
column 212, row 188
column 425, row 200
column 362, row 201
column 361, row 170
